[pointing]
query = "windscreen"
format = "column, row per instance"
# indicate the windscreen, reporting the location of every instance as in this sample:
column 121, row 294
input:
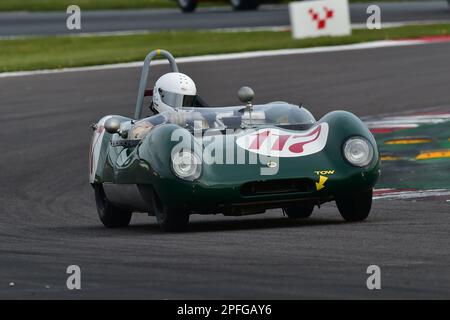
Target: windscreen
column 277, row 114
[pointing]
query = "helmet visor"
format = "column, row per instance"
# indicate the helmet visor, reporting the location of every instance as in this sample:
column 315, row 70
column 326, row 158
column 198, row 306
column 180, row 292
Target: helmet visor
column 176, row 100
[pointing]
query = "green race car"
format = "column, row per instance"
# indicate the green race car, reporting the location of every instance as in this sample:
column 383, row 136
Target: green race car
column 237, row 160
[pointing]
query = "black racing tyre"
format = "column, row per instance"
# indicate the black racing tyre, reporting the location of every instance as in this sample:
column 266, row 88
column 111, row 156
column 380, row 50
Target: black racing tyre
column 187, row 5
column 170, row 219
column 245, row 4
column 299, row 211
column 355, row 207
column 110, row 215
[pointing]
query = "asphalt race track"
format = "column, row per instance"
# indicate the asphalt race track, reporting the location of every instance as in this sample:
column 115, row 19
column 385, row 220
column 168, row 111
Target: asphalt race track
column 23, row 23
column 48, row 219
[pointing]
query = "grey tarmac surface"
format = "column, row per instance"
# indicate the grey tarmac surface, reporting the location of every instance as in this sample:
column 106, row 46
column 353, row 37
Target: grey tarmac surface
column 47, row 23
column 48, row 219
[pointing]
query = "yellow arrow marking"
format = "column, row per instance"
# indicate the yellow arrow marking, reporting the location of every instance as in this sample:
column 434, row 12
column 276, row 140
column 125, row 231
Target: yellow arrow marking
column 320, row 184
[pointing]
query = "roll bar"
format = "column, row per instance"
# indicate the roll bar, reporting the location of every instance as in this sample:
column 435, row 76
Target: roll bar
column 144, row 77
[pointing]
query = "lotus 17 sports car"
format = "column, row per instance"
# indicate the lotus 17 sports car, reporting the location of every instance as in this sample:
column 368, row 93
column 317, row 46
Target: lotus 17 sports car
column 236, row 160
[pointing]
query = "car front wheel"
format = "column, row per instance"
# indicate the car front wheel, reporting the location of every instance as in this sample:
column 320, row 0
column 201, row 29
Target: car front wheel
column 110, row 215
column 170, row 219
column 299, row 211
column 355, row 207
column 245, row 4
column 187, row 5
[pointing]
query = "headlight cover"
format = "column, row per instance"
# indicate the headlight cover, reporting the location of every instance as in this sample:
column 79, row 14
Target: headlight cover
column 186, row 165
column 358, row 151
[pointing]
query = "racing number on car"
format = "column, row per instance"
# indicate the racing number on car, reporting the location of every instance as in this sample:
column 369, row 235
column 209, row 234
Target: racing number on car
column 282, row 139
column 283, row 143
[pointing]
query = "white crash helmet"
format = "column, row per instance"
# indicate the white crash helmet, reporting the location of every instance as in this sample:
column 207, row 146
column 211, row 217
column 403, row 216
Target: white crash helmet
column 173, row 90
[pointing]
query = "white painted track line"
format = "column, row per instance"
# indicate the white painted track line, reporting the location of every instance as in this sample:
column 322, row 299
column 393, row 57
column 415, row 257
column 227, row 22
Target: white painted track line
column 227, row 56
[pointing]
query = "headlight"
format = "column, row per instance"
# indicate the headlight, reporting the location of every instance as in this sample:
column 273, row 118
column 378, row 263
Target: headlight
column 358, row 151
column 186, row 165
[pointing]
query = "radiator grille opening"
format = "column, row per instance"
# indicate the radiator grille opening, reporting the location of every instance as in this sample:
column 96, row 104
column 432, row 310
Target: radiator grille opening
column 277, row 187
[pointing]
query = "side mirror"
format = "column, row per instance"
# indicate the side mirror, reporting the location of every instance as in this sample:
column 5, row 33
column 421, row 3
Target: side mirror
column 246, row 95
column 112, row 125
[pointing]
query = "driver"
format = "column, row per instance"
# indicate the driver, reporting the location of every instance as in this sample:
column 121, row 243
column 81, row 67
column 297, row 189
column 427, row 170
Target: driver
column 172, row 91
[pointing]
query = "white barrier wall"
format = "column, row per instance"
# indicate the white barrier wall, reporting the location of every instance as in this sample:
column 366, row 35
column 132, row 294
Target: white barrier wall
column 320, row 18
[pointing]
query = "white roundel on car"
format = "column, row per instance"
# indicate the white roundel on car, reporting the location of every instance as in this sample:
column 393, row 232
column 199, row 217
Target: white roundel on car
column 277, row 142
column 96, row 146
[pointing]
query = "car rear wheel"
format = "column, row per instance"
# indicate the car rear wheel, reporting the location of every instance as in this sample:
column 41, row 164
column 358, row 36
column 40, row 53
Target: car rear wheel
column 170, row 219
column 245, row 4
column 355, row 207
column 187, row 5
column 110, row 215
column 299, row 211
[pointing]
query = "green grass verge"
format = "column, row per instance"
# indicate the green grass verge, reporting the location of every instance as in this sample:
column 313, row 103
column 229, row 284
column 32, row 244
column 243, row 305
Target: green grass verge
column 54, row 5
column 66, row 51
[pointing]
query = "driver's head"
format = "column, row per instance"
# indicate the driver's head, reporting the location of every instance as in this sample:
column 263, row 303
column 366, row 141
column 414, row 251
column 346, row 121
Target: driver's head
column 173, row 90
